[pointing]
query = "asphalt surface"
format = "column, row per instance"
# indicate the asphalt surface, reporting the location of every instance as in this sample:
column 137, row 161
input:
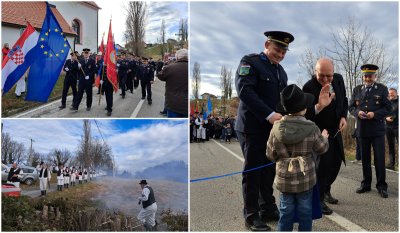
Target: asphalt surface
column 216, row 205
column 130, row 107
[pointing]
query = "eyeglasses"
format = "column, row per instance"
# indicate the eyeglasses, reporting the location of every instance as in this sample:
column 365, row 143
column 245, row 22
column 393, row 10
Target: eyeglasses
column 324, row 75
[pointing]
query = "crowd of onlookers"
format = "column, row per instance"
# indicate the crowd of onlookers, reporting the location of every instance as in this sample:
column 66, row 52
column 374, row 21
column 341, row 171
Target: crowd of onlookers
column 212, row 127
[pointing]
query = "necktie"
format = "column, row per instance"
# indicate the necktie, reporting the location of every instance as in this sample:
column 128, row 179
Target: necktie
column 277, row 71
column 85, row 61
column 368, row 91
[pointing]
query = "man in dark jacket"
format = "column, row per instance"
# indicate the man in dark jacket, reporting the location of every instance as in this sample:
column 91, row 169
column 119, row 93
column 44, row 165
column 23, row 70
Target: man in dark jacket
column 71, row 78
column 146, row 75
column 87, row 69
column 147, row 214
column 328, row 112
column 392, row 127
column 370, row 105
column 176, row 79
column 259, row 81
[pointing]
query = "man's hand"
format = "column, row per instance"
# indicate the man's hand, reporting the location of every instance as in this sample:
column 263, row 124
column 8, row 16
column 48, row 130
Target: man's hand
column 275, row 117
column 370, row 115
column 87, row 77
column 342, row 123
column 389, row 119
column 362, row 115
column 151, row 82
column 324, row 98
column 325, row 133
column 66, row 69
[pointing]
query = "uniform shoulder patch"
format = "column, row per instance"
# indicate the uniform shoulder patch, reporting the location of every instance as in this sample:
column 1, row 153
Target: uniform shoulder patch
column 244, row 69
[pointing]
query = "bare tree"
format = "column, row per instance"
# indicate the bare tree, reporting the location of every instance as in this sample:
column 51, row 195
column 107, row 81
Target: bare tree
column 183, row 29
column 353, row 46
column 225, row 85
column 11, row 151
column 84, row 150
column 135, row 26
column 162, row 38
column 57, row 156
column 196, row 81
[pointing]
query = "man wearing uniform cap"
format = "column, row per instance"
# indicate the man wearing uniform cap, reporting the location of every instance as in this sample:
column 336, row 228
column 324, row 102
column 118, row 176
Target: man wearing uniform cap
column 259, row 81
column 369, row 104
column 146, row 75
column 71, row 77
column 87, row 69
column 123, row 65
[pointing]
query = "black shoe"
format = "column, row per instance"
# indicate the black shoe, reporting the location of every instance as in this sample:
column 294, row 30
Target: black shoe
column 61, row 107
column 108, row 113
column 73, row 109
column 123, row 97
column 256, row 225
column 272, row 215
column 325, row 209
column 88, row 108
column 132, row 92
column 143, row 97
column 331, row 200
column 363, row 189
column 120, row 94
column 150, row 102
column 383, row 193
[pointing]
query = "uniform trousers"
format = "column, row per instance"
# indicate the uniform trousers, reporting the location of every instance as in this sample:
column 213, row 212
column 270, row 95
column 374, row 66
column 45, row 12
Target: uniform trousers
column 378, row 145
column 256, row 185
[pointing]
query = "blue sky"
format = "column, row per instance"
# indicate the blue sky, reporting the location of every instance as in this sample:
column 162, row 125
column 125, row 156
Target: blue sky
column 136, row 144
column 171, row 12
column 221, row 33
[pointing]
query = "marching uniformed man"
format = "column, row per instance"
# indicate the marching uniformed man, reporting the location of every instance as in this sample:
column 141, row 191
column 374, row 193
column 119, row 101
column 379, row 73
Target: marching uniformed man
column 259, row 81
column 146, row 79
column 66, row 177
column 107, row 87
column 370, row 105
column 71, row 78
column 132, row 70
column 87, row 69
column 123, row 66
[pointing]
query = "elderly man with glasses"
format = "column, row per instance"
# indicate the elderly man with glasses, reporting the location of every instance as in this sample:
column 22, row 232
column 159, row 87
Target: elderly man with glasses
column 328, row 112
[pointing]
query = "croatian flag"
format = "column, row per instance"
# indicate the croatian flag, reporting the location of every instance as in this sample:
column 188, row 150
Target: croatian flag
column 20, row 57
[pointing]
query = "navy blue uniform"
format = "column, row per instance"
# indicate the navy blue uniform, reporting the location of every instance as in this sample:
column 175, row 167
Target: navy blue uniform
column 131, row 75
column 85, row 85
column 146, row 76
column 371, row 131
column 107, row 88
column 123, row 66
column 71, row 78
column 258, row 84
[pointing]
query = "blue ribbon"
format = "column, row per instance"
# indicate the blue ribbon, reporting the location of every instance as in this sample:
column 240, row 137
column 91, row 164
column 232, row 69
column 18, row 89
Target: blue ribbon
column 230, row 174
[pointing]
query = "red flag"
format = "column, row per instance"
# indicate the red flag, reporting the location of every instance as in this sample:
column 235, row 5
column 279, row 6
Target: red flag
column 191, row 110
column 197, row 106
column 97, row 81
column 110, row 60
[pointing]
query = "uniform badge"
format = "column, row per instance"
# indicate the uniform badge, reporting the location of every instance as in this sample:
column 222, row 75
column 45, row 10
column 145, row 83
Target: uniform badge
column 377, row 102
column 244, row 69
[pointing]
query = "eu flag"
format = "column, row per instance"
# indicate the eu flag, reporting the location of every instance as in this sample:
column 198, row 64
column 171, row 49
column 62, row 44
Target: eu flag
column 53, row 49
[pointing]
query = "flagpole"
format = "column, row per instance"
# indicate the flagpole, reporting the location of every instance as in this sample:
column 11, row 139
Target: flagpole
column 101, row 84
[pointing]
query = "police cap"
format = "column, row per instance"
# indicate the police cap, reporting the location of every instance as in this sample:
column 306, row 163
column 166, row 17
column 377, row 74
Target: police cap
column 283, row 38
column 86, row 50
column 369, row 69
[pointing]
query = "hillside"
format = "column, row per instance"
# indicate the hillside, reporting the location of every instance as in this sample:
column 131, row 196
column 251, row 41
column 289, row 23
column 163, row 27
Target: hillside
column 174, row 171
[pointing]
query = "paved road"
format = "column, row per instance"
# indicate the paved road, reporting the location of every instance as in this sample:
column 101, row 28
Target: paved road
column 216, row 205
column 130, row 107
